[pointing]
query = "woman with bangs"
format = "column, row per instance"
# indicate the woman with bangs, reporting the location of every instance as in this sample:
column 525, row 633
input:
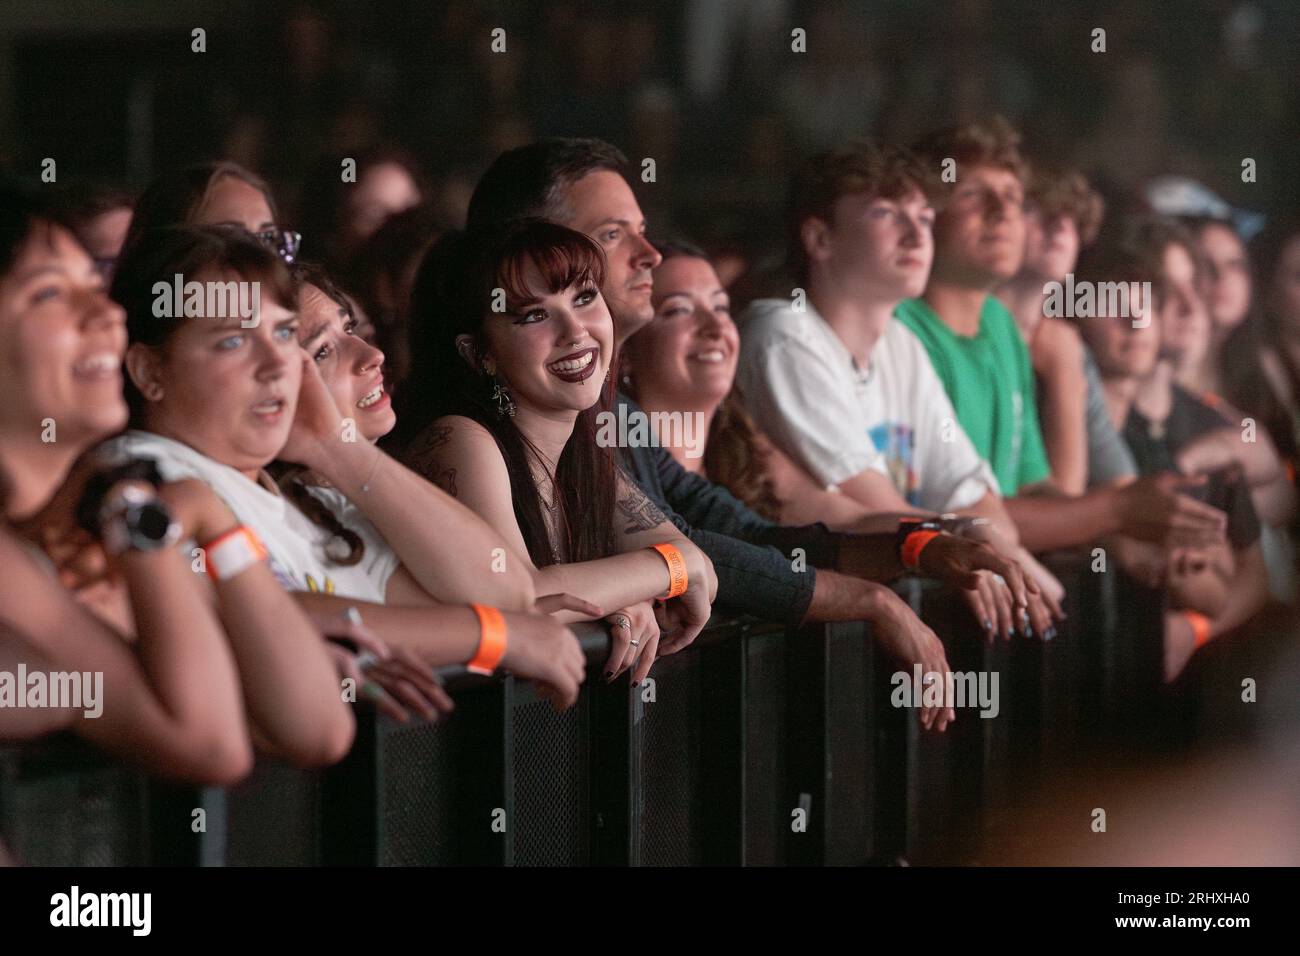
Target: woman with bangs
column 220, row 397
column 511, row 349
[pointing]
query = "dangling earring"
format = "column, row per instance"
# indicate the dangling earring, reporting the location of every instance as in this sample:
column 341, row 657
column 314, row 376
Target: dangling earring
column 505, row 404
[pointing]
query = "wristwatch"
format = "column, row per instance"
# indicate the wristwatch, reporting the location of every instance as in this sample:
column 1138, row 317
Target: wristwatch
column 134, row 519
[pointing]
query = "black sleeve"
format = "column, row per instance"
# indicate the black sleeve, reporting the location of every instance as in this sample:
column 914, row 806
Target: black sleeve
column 713, row 508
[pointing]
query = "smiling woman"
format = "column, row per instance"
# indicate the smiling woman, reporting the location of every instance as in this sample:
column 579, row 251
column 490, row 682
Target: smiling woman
column 511, row 351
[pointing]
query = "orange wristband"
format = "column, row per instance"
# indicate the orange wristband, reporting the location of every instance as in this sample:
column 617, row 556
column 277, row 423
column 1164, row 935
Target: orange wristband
column 913, row 545
column 491, row 640
column 676, row 570
column 230, row 553
column 1200, row 627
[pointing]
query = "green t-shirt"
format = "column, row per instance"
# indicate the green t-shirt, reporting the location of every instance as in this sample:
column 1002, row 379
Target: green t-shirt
column 990, row 382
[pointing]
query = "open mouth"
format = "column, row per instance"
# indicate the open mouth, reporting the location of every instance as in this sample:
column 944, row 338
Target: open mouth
column 270, row 409
column 98, row 367
column 709, row 356
column 372, row 397
column 577, row 367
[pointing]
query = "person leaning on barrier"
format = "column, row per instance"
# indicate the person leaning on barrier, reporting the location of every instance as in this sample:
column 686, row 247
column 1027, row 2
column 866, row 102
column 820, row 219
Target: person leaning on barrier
column 179, row 697
column 272, row 402
column 760, row 565
column 515, row 390
column 682, row 366
column 1213, row 588
column 984, row 365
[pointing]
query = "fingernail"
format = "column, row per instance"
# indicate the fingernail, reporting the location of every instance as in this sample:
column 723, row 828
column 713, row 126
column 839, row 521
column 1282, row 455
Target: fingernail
column 1049, row 634
column 988, row 625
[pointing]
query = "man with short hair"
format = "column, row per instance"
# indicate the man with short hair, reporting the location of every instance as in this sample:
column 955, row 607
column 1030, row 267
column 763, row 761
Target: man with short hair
column 832, row 378
column 977, row 352
column 579, row 183
column 1062, row 216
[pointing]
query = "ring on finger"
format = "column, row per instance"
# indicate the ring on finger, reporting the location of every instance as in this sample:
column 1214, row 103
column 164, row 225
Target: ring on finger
column 622, row 621
column 635, row 643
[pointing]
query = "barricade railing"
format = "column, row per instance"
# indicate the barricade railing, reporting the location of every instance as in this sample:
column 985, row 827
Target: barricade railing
column 758, row 745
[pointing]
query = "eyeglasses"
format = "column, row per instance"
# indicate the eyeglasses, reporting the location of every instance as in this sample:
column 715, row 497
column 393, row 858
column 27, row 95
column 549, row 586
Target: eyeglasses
column 282, row 242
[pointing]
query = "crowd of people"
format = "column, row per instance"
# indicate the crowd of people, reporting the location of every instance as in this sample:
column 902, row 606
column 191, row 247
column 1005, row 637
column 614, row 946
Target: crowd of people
column 396, row 453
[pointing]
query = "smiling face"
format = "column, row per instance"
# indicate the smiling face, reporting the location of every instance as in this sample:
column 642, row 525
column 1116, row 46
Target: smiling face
column 603, row 207
column 980, row 236
column 227, row 391
column 351, row 369
column 886, row 244
column 686, row 357
column 1228, row 286
column 61, row 343
column 552, row 349
column 232, row 202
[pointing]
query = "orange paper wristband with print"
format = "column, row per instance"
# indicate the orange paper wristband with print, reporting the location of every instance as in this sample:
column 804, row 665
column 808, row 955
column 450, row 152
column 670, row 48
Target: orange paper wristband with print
column 677, row 580
column 491, row 640
column 913, row 545
column 1200, row 627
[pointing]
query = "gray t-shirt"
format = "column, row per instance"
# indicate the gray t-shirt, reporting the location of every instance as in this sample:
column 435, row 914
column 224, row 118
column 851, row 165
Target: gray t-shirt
column 1109, row 459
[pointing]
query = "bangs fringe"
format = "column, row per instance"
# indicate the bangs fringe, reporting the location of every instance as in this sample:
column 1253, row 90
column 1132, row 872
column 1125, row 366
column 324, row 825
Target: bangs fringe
column 562, row 257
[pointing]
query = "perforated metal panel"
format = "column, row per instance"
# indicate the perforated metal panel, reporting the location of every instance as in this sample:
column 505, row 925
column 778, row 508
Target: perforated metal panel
column 550, row 785
column 768, row 805
column 419, row 797
column 273, row 818
column 87, row 818
column 670, row 765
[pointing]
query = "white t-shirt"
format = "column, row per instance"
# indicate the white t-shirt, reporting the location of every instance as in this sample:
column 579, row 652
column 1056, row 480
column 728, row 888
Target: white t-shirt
column 295, row 544
column 804, row 389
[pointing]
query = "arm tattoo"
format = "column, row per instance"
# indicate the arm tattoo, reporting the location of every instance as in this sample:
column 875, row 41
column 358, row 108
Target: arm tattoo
column 641, row 513
column 423, row 458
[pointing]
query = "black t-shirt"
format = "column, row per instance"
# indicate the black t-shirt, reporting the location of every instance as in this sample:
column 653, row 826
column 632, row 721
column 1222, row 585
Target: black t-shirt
column 1155, row 444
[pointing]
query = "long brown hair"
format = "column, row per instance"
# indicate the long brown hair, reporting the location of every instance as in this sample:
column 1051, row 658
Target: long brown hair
column 452, row 296
column 734, row 459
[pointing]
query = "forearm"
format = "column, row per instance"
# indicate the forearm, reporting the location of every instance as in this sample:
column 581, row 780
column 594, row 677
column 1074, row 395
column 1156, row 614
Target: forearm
column 192, row 723
column 420, row 520
column 1247, row 594
column 1275, row 501
column 441, row 635
column 1048, row 522
column 996, row 511
column 609, row 583
column 290, row 683
column 838, row 597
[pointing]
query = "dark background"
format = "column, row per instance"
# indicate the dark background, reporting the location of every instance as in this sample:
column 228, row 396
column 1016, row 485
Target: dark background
column 709, row 88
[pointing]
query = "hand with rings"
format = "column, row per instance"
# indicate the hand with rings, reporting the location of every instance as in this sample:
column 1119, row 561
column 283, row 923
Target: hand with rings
column 634, row 641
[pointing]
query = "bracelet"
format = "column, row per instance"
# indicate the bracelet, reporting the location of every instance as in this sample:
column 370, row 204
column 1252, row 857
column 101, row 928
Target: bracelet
column 491, row 640
column 913, row 535
column 231, row 553
column 1200, row 627
column 365, row 485
column 677, row 579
